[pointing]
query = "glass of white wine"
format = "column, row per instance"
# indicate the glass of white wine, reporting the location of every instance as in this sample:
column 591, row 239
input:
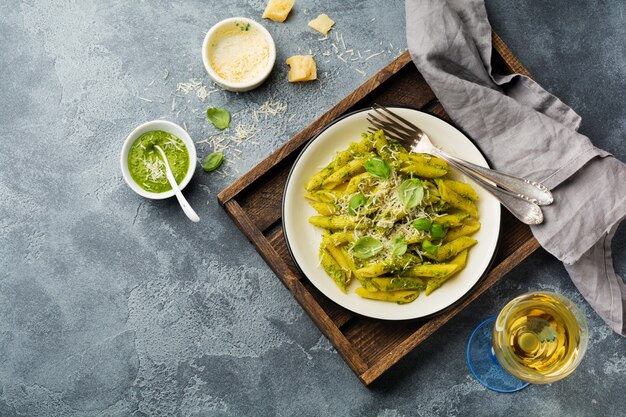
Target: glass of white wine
column 538, row 337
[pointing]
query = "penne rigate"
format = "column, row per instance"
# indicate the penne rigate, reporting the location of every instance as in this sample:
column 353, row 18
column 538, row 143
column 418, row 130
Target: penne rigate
column 393, row 220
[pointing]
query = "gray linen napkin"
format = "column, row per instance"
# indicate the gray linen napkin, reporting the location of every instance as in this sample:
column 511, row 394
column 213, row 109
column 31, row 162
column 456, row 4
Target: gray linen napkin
column 526, row 131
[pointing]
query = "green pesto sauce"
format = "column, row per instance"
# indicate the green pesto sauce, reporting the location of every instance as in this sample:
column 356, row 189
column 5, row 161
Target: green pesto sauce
column 146, row 165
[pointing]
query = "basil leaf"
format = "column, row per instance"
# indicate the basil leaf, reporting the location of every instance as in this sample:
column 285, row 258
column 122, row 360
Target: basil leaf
column 219, row 117
column 429, row 247
column 213, row 162
column 438, row 231
column 378, row 168
column 356, row 201
column 366, row 247
column 411, row 193
column 398, row 246
column 422, row 224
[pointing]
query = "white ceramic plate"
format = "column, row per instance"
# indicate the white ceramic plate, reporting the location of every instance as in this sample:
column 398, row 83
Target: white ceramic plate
column 303, row 239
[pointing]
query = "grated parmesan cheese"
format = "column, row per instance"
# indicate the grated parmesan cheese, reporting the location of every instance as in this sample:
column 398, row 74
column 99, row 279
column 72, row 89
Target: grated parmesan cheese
column 239, row 53
column 196, row 86
column 155, row 169
column 271, row 107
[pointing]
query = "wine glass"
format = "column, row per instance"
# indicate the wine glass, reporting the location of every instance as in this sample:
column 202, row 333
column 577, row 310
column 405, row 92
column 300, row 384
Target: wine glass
column 539, row 337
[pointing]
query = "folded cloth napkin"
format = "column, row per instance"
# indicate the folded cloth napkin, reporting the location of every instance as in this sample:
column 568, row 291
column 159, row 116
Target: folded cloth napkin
column 526, row 131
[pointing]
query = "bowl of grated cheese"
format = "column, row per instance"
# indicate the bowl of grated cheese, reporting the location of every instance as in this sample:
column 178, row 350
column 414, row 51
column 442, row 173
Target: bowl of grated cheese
column 238, row 53
column 142, row 167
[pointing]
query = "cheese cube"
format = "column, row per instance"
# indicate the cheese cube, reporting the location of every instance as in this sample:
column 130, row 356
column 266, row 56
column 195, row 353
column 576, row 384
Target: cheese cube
column 278, row 10
column 301, row 68
column 322, row 24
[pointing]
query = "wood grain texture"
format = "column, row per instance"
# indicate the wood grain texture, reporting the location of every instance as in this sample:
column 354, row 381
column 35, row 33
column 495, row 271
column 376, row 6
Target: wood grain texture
column 254, row 202
column 503, row 53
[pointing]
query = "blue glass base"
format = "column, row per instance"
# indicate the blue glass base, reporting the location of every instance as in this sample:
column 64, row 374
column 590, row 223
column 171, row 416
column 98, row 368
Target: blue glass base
column 484, row 364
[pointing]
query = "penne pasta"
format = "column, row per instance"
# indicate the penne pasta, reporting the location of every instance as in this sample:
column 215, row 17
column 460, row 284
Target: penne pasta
column 392, row 220
column 459, row 262
column 467, row 228
column 451, row 249
column 400, row 297
column 339, row 222
column 345, row 173
column 457, row 200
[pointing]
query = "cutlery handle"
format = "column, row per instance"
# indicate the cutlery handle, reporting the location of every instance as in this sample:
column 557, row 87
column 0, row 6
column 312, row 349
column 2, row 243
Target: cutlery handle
column 184, row 204
column 524, row 209
column 520, row 187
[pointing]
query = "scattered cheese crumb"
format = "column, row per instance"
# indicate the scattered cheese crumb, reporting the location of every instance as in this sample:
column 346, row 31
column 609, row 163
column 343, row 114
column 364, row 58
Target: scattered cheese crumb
column 243, row 132
column 278, row 10
column 223, row 142
column 340, row 39
column 372, row 56
column 322, row 24
column 197, row 87
column 301, row 68
column 202, row 93
column 192, row 85
column 271, row 107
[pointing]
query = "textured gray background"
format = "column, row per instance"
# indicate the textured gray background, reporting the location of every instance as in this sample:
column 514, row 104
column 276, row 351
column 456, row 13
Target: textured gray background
column 112, row 305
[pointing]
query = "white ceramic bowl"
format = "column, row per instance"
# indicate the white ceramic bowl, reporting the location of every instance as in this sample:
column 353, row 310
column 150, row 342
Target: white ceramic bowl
column 165, row 126
column 303, row 239
column 230, row 85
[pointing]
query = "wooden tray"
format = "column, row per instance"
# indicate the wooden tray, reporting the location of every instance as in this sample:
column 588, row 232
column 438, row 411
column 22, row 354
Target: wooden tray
column 254, row 202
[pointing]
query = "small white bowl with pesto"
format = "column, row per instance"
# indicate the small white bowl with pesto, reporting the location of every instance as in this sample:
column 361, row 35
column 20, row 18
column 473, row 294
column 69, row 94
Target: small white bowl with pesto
column 238, row 53
column 143, row 168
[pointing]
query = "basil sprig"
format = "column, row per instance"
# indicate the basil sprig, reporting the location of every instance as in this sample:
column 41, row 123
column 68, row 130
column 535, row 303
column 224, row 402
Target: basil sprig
column 411, row 193
column 366, row 247
column 378, row 168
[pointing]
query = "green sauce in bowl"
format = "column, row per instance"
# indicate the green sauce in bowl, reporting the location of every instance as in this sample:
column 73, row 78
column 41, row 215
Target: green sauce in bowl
column 146, row 166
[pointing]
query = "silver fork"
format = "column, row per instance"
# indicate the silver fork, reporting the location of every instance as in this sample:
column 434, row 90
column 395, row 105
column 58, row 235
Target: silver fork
column 520, row 196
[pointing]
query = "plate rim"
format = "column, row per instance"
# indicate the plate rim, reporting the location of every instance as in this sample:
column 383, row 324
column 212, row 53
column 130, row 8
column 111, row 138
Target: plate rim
column 424, row 317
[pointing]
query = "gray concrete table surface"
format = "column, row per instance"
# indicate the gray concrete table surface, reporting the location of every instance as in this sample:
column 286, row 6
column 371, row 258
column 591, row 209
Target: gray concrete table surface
column 112, row 305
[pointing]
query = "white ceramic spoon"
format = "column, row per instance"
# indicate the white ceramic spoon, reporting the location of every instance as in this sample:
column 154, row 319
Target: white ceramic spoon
column 191, row 214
